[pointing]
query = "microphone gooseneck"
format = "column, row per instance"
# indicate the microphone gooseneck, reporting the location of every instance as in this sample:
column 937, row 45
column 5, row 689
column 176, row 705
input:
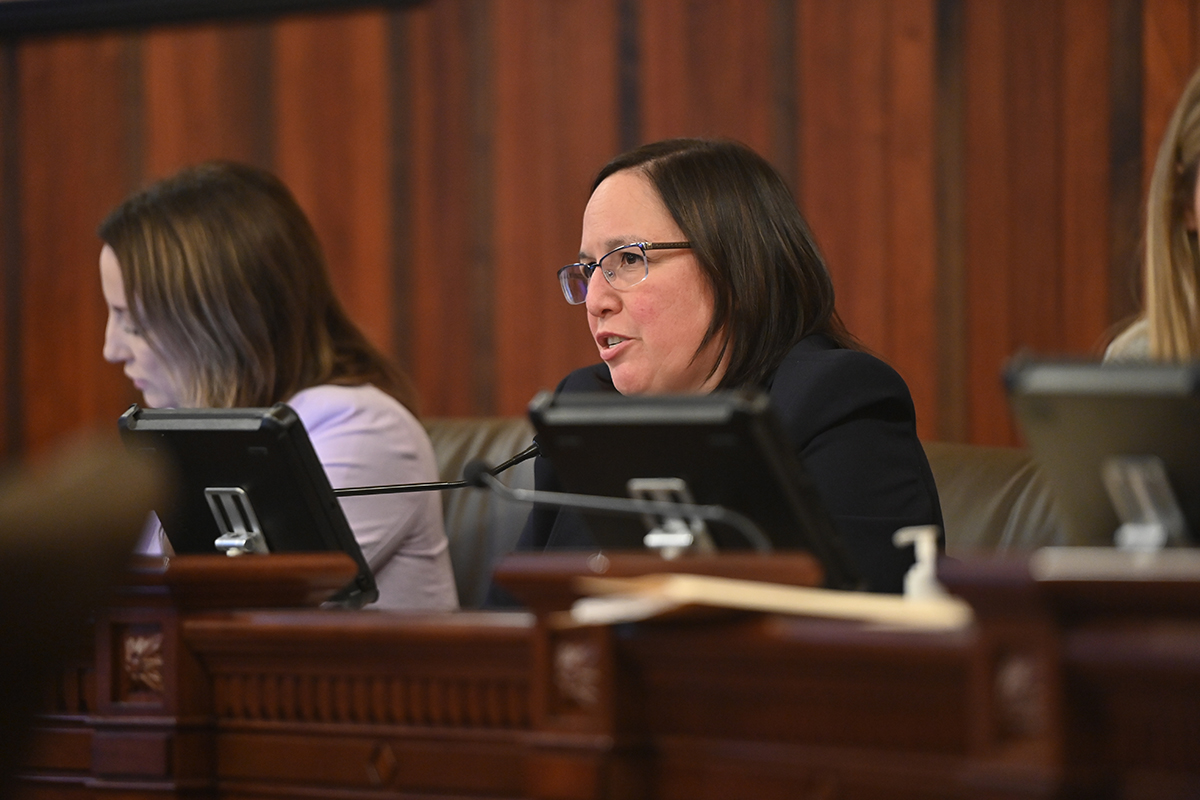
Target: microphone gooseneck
column 477, row 473
column 439, row 486
column 524, row 455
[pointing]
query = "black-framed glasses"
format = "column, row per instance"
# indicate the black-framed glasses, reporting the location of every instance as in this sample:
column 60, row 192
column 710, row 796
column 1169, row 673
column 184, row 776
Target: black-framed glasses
column 623, row 267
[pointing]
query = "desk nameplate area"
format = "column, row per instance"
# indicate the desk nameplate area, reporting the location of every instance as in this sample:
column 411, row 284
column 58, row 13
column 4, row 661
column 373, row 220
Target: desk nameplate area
column 197, row 582
column 1028, row 700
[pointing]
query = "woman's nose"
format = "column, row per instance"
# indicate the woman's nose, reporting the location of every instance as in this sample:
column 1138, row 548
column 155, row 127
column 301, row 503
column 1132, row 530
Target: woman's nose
column 602, row 298
column 116, row 350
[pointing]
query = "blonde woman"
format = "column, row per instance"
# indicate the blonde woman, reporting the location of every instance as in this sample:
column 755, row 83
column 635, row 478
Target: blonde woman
column 218, row 296
column 1168, row 329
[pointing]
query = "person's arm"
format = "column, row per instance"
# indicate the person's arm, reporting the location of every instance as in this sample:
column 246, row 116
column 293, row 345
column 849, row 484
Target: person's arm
column 851, row 420
column 540, row 522
column 365, row 438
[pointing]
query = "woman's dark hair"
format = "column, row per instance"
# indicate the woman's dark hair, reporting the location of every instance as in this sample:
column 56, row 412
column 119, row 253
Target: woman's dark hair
column 770, row 285
column 225, row 278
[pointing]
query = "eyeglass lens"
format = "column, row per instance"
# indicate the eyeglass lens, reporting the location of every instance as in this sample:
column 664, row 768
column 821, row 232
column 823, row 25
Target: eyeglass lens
column 622, row 268
column 574, row 283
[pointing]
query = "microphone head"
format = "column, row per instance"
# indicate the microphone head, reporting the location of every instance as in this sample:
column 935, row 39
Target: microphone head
column 474, row 472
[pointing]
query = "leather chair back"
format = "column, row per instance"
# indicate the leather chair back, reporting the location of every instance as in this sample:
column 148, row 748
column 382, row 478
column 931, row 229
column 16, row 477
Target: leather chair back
column 482, row 528
column 994, row 499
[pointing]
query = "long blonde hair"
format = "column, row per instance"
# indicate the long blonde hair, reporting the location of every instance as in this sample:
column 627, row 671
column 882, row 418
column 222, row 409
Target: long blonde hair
column 225, row 277
column 1172, row 262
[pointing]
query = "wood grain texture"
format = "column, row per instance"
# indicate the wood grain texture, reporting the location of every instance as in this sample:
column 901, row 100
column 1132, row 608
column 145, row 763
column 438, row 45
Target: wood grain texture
column 333, row 148
column 968, row 168
column 912, row 344
column 949, row 144
column 706, row 70
column 1169, row 46
column 987, row 243
column 869, row 183
column 1037, row 192
column 76, row 162
column 450, row 164
column 1086, row 109
column 556, row 123
column 11, row 432
column 842, row 155
column 1057, row 688
column 1034, row 38
column 207, row 95
column 1128, row 152
column 411, row 700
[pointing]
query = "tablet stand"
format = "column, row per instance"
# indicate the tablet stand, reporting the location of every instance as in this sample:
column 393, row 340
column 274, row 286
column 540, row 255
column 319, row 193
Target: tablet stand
column 669, row 533
column 235, row 518
column 1141, row 495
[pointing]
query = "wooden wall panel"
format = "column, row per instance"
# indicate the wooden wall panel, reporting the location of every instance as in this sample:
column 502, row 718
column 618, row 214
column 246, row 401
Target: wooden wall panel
column 843, row 158
column 11, row 423
column 965, row 165
column 948, row 169
column 867, row 170
column 76, row 162
column 333, row 148
column 987, row 245
column 1171, row 48
column 1034, row 37
column 1127, row 155
column 450, row 167
column 556, row 123
column 1037, row 192
column 1085, row 109
column 707, row 69
column 915, row 325
column 207, row 95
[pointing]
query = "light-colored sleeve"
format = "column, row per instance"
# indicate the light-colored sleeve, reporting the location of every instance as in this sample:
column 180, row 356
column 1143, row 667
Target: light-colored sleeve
column 1132, row 344
column 153, row 540
column 364, row 437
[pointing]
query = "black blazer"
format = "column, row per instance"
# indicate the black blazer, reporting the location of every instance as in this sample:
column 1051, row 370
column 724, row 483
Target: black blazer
column 851, row 420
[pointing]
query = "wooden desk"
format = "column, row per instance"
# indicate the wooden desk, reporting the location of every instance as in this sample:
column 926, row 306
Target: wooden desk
column 1055, row 691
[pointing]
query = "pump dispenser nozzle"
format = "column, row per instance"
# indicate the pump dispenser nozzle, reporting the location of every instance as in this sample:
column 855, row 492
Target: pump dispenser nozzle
column 920, row 582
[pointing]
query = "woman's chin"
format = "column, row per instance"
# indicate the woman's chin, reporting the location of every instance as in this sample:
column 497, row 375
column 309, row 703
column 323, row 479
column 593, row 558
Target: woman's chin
column 157, row 400
column 625, row 383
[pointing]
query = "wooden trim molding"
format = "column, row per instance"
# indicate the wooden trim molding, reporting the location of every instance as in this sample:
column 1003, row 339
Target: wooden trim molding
column 20, row 17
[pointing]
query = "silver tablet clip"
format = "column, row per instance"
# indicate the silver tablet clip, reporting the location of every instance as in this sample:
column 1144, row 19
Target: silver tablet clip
column 670, row 535
column 235, row 518
column 1141, row 495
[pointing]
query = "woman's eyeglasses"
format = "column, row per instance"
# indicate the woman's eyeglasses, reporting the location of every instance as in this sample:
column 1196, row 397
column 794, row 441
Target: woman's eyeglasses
column 622, row 268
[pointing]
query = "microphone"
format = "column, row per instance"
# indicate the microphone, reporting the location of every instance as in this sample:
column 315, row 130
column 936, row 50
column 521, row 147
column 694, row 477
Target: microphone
column 438, row 486
column 477, row 473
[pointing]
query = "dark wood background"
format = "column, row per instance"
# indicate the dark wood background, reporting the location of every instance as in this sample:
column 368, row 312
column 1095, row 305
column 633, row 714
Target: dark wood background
column 973, row 170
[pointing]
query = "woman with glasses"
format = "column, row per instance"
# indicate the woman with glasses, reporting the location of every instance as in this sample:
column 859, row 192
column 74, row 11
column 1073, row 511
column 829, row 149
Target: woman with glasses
column 218, row 296
column 697, row 272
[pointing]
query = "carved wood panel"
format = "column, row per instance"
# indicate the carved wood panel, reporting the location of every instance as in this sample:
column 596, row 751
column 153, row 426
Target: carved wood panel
column 406, row 700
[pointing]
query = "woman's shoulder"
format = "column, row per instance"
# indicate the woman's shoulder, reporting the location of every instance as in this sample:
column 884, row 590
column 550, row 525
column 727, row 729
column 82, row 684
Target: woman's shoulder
column 818, row 359
column 365, row 405
column 595, row 378
column 1131, row 344
column 819, row 383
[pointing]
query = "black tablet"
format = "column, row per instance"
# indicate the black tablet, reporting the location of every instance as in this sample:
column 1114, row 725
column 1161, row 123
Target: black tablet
column 727, row 448
column 248, row 468
column 1077, row 417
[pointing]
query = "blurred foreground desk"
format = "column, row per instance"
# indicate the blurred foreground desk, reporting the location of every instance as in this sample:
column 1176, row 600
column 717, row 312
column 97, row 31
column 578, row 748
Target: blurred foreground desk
column 1063, row 687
